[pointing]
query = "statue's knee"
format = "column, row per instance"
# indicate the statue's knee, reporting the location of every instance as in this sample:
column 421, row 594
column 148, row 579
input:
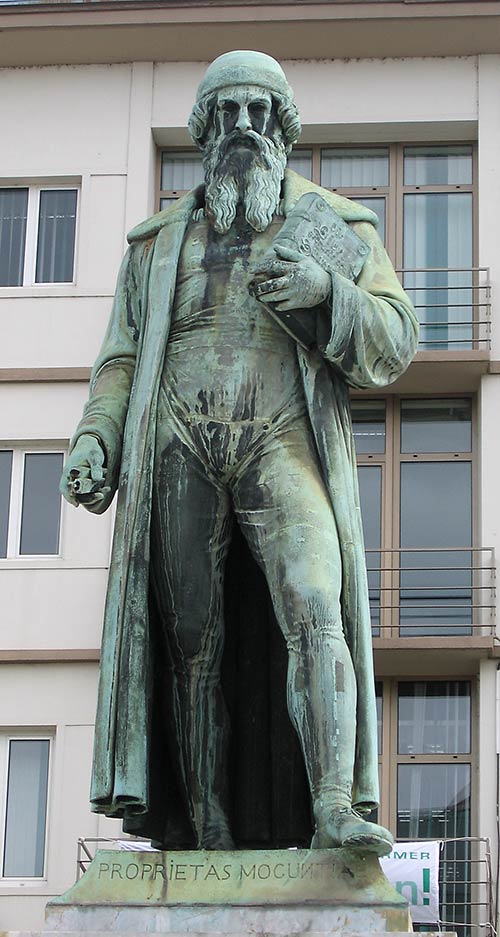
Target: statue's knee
column 190, row 643
column 312, row 609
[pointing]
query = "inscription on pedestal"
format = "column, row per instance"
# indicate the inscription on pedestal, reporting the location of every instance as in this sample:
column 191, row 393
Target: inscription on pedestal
column 173, row 871
column 238, row 878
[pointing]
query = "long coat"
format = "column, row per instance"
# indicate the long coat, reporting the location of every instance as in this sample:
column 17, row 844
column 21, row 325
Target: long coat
column 369, row 342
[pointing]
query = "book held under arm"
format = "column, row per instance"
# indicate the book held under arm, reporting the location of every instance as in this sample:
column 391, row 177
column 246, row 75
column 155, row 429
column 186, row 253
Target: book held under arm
column 316, row 230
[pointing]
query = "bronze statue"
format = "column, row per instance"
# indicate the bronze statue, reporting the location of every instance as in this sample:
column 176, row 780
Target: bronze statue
column 207, row 410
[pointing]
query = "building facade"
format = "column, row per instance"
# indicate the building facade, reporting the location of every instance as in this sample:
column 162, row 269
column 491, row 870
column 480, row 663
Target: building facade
column 400, row 110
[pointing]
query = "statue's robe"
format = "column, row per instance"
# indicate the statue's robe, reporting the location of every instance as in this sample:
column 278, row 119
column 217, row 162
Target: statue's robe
column 367, row 341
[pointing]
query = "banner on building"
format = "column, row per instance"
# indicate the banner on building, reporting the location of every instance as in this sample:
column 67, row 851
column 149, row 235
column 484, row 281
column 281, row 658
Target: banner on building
column 412, row 869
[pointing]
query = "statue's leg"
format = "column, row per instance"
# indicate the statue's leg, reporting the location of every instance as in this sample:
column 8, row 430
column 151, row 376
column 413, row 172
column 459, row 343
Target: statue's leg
column 191, row 532
column 285, row 513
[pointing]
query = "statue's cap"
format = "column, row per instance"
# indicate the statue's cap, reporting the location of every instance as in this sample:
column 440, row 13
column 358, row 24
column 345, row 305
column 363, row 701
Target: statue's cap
column 244, row 67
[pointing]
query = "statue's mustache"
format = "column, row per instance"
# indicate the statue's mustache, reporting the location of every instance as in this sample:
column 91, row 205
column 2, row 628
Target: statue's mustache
column 238, row 137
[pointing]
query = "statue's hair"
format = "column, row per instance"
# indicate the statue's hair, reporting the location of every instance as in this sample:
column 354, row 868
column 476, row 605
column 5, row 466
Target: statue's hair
column 286, row 110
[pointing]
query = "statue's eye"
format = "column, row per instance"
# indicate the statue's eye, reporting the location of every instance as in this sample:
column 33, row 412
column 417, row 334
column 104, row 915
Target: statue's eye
column 230, row 108
column 257, row 109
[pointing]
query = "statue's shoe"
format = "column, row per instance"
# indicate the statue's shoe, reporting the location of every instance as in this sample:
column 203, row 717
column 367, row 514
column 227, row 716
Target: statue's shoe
column 345, row 827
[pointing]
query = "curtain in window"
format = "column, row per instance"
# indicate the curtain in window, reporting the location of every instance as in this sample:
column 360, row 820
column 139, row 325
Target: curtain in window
column 438, row 233
column 56, row 236
column 5, row 484
column 434, row 717
column 354, row 168
column 41, row 509
column 13, row 217
column 301, row 161
column 180, row 171
column 24, row 845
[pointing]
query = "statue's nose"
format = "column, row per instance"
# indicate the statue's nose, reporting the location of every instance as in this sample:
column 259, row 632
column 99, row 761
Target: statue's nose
column 243, row 123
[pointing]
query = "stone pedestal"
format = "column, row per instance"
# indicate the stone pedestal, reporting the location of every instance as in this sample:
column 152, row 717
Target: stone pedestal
column 289, row 891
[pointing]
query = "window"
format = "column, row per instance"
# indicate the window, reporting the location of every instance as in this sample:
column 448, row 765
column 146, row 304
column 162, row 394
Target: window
column 426, row 728
column 415, row 465
column 180, row 171
column 25, row 781
column 438, row 241
column 37, row 235
column 30, row 503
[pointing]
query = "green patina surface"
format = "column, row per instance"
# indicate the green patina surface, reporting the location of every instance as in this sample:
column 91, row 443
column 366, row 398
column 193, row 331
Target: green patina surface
column 190, row 415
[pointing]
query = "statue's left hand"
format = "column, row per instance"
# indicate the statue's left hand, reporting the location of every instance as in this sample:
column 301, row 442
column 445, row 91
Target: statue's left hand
column 291, row 281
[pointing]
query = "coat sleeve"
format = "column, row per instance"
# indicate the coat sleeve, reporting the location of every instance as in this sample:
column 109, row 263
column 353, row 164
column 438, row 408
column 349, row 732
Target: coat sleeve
column 106, row 410
column 370, row 332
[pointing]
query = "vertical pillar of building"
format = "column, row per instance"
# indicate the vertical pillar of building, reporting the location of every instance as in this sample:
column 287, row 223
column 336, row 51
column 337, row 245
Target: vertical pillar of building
column 489, row 180
column 139, row 201
column 488, row 424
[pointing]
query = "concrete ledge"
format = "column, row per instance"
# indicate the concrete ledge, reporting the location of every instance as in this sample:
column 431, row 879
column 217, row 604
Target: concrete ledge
column 245, row 933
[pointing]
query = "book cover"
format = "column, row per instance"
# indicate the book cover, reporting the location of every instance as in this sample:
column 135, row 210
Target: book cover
column 315, row 229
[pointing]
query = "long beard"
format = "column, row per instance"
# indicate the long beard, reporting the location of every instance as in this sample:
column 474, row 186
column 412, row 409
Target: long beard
column 249, row 177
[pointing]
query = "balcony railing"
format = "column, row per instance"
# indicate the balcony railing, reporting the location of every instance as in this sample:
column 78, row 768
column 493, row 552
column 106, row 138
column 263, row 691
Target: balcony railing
column 453, row 305
column 466, row 887
column 432, row 592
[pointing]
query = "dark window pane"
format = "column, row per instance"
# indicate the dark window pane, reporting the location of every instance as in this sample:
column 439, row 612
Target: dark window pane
column 433, row 801
column 13, row 215
column 368, row 423
column 357, row 166
column 26, row 808
column 301, row 161
column 437, row 165
column 5, row 482
column 41, row 503
column 370, row 493
column 180, row 171
column 378, row 206
column 434, row 717
column 438, row 233
column 436, row 425
column 56, row 236
column 436, row 584
column 165, row 202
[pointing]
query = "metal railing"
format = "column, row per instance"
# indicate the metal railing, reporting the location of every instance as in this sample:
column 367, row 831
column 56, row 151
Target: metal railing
column 86, row 847
column 466, row 888
column 453, row 305
column 432, row 592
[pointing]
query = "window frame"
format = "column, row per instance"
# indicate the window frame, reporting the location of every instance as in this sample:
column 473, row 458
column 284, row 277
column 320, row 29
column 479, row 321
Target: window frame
column 390, row 758
column 390, row 462
column 23, row 734
column 172, row 194
column 15, row 512
column 31, row 239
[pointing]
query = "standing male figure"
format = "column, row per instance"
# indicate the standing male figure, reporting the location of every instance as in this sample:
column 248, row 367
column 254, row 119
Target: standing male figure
column 203, row 410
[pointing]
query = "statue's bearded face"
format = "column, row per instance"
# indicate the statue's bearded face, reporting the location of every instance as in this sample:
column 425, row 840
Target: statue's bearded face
column 244, row 158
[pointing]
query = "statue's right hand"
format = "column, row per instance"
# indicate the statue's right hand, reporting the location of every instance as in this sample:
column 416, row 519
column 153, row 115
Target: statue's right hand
column 84, row 474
